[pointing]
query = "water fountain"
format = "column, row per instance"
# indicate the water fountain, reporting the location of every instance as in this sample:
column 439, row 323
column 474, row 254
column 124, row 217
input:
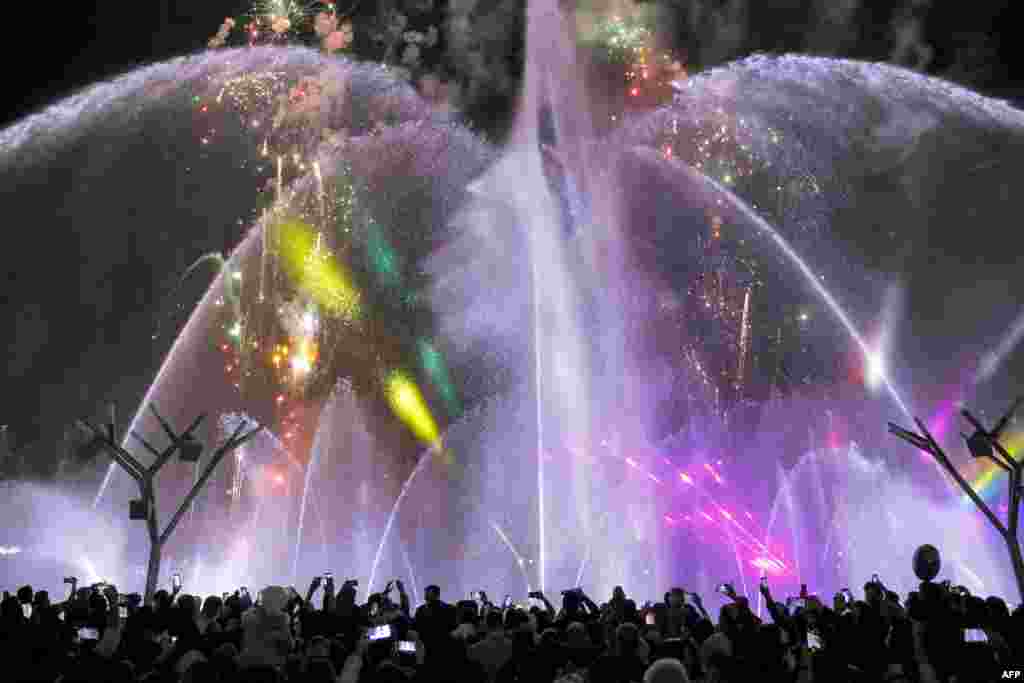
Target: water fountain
column 547, row 275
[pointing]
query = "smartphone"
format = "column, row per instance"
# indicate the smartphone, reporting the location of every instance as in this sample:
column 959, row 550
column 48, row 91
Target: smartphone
column 875, row 579
column 243, row 590
column 813, row 640
column 508, row 601
column 380, row 632
column 123, row 611
column 328, row 576
column 975, row 635
column 764, row 581
column 407, row 647
column 176, row 581
column 374, row 608
column 86, row 633
column 723, row 588
column 60, row 615
column 848, row 593
column 649, row 619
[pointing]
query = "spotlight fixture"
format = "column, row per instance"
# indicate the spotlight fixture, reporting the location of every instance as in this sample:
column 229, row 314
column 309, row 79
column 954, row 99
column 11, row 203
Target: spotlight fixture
column 137, row 509
column 191, row 448
column 979, row 445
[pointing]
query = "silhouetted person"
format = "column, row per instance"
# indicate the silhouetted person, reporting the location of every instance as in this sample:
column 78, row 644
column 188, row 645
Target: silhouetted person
column 434, row 620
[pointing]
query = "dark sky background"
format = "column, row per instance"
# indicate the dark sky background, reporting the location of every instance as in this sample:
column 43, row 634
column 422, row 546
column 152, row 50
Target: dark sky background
column 974, row 43
column 76, row 44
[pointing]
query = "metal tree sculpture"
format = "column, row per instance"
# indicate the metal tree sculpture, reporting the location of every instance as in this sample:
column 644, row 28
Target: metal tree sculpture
column 145, row 508
column 982, row 444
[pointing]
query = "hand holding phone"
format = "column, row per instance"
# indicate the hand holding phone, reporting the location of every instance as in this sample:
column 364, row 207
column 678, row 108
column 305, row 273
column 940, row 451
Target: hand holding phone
column 406, row 647
column 814, row 643
column 86, row 633
column 176, row 581
column 975, row 635
column 380, row 632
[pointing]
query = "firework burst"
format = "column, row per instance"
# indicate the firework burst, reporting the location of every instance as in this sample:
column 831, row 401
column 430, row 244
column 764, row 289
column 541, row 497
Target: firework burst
column 276, row 12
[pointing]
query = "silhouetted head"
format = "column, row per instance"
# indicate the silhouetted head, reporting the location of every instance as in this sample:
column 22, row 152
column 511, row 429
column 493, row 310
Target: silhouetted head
column 188, row 605
column 495, row 622
column 162, row 599
column 618, row 594
column 576, row 635
column 347, row 594
column 997, row 609
column 25, row 594
column 212, row 607
column 627, row 638
column 666, row 670
column 873, row 593
column 432, row 594
column 676, row 598
column 515, row 619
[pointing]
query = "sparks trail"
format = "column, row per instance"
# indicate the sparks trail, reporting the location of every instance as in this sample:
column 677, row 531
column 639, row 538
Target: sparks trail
column 515, row 553
column 394, row 512
column 211, row 257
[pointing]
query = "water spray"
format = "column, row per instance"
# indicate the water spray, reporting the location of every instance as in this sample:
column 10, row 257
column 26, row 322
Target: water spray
column 424, row 459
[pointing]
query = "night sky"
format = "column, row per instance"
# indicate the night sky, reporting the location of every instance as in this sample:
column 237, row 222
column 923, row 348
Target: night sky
column 76, row 44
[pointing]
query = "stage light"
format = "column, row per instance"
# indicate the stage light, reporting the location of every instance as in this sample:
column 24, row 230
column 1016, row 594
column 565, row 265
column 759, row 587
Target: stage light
column 279, row 479
column 137, row 509
column 979, row 445
column 191, row 449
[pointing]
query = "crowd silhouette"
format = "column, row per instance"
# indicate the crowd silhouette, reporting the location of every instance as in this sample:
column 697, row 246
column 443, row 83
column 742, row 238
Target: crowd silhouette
column 938, row 633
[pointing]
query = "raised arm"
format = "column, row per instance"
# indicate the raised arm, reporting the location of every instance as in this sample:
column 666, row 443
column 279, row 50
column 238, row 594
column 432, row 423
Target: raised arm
column 403, row 599
column 314, row 585
column 592, row 608
column 549, row 608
